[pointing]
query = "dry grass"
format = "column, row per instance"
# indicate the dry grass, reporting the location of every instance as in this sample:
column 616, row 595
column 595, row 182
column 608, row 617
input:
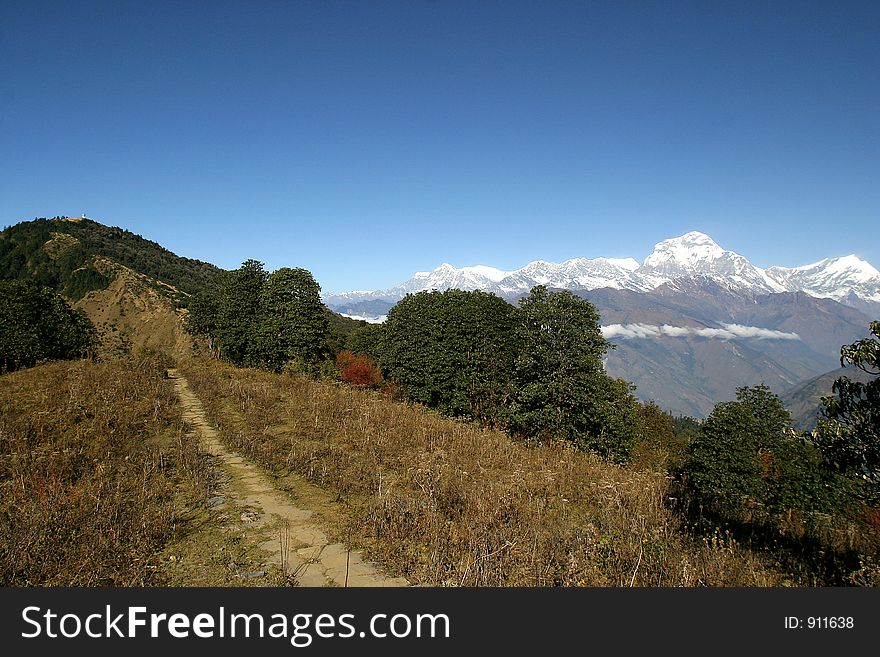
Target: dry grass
column 448, row 504
column 92, row 460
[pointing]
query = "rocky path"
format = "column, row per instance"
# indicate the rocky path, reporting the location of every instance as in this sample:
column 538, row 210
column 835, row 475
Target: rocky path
column 290, row 536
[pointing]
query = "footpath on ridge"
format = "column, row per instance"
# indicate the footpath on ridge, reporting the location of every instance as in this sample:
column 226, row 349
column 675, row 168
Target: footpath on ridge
column 290, row 536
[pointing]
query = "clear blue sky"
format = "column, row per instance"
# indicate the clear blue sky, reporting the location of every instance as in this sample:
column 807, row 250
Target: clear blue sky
column 367, row 140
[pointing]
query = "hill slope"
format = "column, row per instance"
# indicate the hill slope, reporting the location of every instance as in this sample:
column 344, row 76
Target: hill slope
column 59, row 253
column 132, row 314
column 804, row 401
column 135, row 291
column 782, row 340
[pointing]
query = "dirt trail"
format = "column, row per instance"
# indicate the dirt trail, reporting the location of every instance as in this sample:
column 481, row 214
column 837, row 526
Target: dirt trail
column 291, row 537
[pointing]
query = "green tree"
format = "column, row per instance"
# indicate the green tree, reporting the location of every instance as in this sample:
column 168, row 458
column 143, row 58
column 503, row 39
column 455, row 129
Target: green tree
column 202, row 318
column 724, row 468
column 798, row 479
column 733, row 452
column 36, row 324
column 848, row 433
column 562, row 388
column 367, row 339
column 238, row 306
column 451, row 350
column 747, row 463
column 292, row 320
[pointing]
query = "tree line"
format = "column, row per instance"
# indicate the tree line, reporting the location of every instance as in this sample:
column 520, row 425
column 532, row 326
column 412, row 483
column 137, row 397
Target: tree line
column 535, row 370
column 257, row 319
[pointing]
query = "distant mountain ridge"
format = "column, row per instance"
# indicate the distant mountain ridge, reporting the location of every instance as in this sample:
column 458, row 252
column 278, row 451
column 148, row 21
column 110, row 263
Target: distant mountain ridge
column 805, row 401
column 689, row 344
column 848, row 279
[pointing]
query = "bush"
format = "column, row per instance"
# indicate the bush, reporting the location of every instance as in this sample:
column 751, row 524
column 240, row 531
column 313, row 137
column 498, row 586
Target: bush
column 358, row 370
column 37, row 325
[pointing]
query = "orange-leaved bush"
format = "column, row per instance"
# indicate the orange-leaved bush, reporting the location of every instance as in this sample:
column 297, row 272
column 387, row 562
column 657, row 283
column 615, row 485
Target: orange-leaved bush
column 357, row 369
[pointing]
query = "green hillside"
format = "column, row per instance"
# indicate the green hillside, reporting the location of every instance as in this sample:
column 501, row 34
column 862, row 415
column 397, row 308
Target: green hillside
column 58, row 253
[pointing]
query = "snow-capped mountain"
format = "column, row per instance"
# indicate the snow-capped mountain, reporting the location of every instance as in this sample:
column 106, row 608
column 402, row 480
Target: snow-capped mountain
column 847, row 279
column 578, row 272
column 696, row 254
column 478, row 277
column 689, row 322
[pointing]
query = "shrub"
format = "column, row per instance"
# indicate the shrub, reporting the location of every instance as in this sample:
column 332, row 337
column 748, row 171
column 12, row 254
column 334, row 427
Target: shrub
column 361, row 371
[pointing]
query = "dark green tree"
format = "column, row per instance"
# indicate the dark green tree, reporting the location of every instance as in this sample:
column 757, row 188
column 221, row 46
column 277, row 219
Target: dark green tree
column 340, row 331
column 747, row 464
column 732, row 455
column 202, row 318
column 451, row 350
column 562, row 389
column 238, row 306
column 36, row 324
column 367, row 339
column 724, row 467
column 292, row 320
column 848, row 432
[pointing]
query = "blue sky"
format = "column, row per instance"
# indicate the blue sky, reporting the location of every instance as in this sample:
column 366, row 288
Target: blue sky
column 367, row 140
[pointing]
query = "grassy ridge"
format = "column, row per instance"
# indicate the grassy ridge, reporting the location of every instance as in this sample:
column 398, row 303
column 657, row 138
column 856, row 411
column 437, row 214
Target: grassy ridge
column 445, row 503
column 92, row 458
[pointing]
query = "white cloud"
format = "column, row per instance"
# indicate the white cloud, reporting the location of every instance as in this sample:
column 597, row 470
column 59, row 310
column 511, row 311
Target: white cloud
column 369, row 320
column 674, row 331
column 729, row 332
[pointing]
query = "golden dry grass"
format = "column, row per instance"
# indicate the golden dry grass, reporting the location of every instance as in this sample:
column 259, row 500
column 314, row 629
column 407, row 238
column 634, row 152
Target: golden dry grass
column 445, row 503
column 92, row 458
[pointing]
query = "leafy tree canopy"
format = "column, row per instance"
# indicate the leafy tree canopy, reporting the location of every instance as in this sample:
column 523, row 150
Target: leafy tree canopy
column 748, row 464
column 264, row 320
column 292, row 323
column 451, row 350
column 36, row 324
column 562, row 388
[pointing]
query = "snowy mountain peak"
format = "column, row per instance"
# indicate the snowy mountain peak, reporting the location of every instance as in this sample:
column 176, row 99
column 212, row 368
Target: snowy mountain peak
column 853, row 266
column 686, row 252
column 491, row 273
column 848, row 279
column 694, row 255
column 630, row 264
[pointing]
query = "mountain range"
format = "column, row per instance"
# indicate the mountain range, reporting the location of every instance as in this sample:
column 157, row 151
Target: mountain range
column 848, row 279
column 693, row 321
